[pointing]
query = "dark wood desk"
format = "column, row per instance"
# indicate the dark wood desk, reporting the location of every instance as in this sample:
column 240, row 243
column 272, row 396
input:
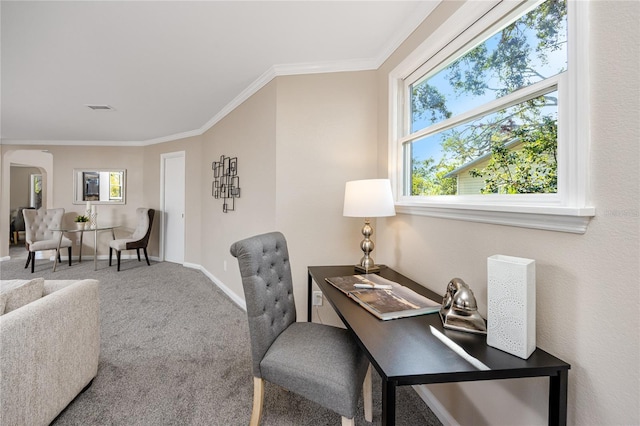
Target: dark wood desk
column 408, row 351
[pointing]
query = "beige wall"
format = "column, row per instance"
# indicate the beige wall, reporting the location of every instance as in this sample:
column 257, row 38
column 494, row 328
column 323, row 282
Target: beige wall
column 247, row 133
column 297, row 141
column 587, row 285
column 325, row 137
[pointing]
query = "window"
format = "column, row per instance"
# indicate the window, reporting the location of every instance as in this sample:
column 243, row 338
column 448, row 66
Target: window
column 115, row 186
column 486, row 127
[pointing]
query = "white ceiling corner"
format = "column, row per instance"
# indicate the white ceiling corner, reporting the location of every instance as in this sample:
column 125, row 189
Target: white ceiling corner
column 172, row 69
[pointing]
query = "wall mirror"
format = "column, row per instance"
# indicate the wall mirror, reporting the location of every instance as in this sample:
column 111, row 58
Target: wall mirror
column 100, row 186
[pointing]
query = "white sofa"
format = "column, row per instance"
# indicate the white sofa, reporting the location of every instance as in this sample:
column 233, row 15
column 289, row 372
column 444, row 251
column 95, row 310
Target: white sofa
column 49, row 347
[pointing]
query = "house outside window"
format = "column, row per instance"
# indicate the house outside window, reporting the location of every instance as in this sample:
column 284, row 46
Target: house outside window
column 492, row 125
column 115, row 186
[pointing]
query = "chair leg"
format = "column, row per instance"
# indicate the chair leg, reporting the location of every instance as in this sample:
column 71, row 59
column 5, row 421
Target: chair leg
column 69, row 250
column 348, row 422
column 367, row 396
column 138, row 253
column 110, row 253
column 58, row 254
column 33, row 261
column 145, row 256
column 26, row 265
column 118, row 257
column 258, row 396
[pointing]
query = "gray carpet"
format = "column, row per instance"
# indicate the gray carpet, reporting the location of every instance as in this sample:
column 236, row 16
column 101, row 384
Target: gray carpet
column 175, row 351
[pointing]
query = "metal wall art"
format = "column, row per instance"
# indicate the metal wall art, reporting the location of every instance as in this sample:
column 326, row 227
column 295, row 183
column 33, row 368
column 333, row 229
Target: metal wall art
column 226, row 183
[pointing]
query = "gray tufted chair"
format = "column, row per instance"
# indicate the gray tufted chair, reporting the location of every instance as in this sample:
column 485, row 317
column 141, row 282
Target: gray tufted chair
column 321, row 363
column 138, row 240
column 40, row 235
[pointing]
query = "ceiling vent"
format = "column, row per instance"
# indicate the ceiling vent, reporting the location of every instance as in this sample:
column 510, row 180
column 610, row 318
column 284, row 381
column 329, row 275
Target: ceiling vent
column 101, row 107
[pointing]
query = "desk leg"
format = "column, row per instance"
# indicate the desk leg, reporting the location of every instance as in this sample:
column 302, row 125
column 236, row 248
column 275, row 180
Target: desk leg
column 558, row 398
column 55, row 257
column 95, row 249
column 309, row 295
column 80, row 251
column 388, row 402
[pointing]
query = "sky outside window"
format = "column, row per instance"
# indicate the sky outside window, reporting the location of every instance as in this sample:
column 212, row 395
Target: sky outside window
column 456, row 99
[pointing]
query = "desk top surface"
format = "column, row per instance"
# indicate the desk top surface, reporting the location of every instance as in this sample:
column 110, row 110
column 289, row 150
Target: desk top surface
column 414, row 350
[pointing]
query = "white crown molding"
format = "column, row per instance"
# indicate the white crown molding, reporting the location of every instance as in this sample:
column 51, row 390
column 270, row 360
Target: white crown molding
column 285, row 70
column 69, row 143
column 173, row 137
column 257, row 84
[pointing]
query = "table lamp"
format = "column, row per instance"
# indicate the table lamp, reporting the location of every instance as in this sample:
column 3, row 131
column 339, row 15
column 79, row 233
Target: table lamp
column 368, row 198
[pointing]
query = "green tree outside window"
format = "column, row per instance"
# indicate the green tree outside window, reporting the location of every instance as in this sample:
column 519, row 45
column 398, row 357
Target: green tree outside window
column 513, row 150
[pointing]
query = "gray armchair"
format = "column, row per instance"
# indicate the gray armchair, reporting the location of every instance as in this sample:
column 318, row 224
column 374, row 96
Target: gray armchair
column 319, row 362
column 40, row 234
column 136, row 241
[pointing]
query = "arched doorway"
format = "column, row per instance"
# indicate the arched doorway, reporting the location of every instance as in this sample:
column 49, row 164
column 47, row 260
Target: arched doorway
column 42, row 160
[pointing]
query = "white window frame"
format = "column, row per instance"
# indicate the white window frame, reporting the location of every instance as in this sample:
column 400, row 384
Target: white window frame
column 569, row 209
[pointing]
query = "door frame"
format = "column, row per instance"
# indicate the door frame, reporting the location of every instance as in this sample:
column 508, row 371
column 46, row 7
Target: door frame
column 38, row 158
column 163, row 165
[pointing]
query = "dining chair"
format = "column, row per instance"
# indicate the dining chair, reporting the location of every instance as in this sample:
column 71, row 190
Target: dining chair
column 138, row 239
column 17, row 225
column 319, row 362
column 42, row 233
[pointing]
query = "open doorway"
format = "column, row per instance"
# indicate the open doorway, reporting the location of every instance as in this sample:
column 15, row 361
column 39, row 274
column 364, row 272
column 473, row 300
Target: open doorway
column 37, row 162
column 26, row 186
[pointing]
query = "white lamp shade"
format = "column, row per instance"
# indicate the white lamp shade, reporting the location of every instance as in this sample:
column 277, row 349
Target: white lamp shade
column 368, row 198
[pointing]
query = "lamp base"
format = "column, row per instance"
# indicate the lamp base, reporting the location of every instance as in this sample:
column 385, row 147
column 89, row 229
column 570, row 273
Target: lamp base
column 370, row 270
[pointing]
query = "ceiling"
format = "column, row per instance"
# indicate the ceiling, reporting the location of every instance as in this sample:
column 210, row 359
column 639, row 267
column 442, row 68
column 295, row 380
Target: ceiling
column 172, row 69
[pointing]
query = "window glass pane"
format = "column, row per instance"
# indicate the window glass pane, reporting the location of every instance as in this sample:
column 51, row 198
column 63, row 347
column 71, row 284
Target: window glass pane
column 531, row 49
column 115, row 186
column 511, row 151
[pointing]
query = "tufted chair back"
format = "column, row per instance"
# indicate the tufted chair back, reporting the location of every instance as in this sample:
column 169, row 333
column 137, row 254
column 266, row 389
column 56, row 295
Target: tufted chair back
column 145, row 219
column 39, row 224
column 268, row 290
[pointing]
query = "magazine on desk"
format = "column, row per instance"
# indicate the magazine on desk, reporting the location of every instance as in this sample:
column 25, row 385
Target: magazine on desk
column 384, row 298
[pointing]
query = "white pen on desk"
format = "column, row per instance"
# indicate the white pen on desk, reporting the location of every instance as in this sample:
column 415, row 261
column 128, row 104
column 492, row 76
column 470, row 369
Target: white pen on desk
column 373, row 286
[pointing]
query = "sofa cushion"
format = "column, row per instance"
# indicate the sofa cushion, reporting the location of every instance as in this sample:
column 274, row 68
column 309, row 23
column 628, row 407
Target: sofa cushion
column 3, row 302
column 51, row 286
column 17, row 293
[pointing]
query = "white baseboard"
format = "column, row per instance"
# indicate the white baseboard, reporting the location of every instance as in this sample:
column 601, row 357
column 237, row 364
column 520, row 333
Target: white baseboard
column 234, row 297
column 435, row 405
column 192, row 266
